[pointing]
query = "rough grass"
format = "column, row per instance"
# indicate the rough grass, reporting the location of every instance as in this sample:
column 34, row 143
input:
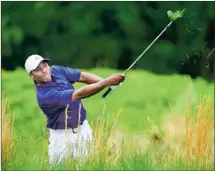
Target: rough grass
column 114, row 149
column 7, row 132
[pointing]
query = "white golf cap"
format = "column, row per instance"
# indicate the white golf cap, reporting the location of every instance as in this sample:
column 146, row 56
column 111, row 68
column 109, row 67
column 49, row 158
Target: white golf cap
column 33, row 61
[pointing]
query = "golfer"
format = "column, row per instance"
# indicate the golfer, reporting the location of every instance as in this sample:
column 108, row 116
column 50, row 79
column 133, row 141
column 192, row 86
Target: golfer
column 69, row 131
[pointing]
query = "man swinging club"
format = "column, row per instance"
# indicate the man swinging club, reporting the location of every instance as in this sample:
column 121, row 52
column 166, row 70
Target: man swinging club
column 62, row 106
column 60, row 102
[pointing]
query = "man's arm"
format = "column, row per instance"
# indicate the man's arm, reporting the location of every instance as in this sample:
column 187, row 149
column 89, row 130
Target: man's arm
column 89, row 78
column 74, row 75
column 94, row 88
column 57, row 97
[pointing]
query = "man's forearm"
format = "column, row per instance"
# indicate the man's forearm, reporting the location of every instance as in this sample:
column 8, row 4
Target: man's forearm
column 89, row 90
column 89, row 78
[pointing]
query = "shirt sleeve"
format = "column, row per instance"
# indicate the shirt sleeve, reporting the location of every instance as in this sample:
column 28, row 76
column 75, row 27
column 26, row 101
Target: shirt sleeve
column 55, row 97
column 72, row 75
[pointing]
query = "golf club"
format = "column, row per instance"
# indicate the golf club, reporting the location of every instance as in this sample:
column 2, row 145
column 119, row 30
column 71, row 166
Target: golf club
column 173, row 17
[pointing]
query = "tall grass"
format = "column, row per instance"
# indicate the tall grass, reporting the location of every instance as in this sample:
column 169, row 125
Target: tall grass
column 194, row 149
column 116, row 150
column 200, row 135
column 7, row 132
column 194, row 145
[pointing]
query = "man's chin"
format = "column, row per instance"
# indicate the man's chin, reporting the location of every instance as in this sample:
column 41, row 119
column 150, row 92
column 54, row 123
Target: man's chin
column 47, row 79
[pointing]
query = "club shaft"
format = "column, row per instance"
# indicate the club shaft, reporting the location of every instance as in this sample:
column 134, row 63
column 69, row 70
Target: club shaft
column 147, row 48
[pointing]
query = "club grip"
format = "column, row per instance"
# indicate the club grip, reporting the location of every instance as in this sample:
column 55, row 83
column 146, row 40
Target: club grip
column 107, row 92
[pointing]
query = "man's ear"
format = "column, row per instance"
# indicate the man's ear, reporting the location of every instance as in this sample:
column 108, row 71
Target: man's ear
column 31, row 76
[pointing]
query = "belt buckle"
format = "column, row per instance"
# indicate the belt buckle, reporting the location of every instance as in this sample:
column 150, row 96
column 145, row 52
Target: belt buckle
column 75, row 130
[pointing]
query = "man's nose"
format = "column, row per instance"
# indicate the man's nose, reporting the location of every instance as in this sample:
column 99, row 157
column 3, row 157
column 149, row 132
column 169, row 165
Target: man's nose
column 44, row 70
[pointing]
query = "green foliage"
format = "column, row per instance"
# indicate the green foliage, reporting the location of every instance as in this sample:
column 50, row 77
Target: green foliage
column 91, row 34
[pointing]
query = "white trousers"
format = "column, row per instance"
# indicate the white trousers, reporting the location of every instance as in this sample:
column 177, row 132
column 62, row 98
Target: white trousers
column 64, row 143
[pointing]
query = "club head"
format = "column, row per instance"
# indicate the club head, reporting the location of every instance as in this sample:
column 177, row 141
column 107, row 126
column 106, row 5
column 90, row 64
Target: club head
column 175, row 15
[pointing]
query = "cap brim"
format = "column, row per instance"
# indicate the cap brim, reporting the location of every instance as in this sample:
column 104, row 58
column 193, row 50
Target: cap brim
column 46, row 60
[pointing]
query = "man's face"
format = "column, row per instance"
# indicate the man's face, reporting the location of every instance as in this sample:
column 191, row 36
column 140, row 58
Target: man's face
column 41, row 73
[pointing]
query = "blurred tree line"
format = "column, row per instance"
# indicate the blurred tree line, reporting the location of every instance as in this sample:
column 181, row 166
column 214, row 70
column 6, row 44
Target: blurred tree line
column 110, row 34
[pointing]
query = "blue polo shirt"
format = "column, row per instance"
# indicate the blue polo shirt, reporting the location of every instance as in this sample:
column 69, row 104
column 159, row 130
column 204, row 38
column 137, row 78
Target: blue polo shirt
column 56, row 96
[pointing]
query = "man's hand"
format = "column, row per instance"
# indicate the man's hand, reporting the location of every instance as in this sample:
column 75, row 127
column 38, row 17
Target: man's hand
column 115, row 79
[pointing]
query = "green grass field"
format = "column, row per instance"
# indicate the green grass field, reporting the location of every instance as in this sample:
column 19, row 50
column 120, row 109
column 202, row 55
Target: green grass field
column 151, row 122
